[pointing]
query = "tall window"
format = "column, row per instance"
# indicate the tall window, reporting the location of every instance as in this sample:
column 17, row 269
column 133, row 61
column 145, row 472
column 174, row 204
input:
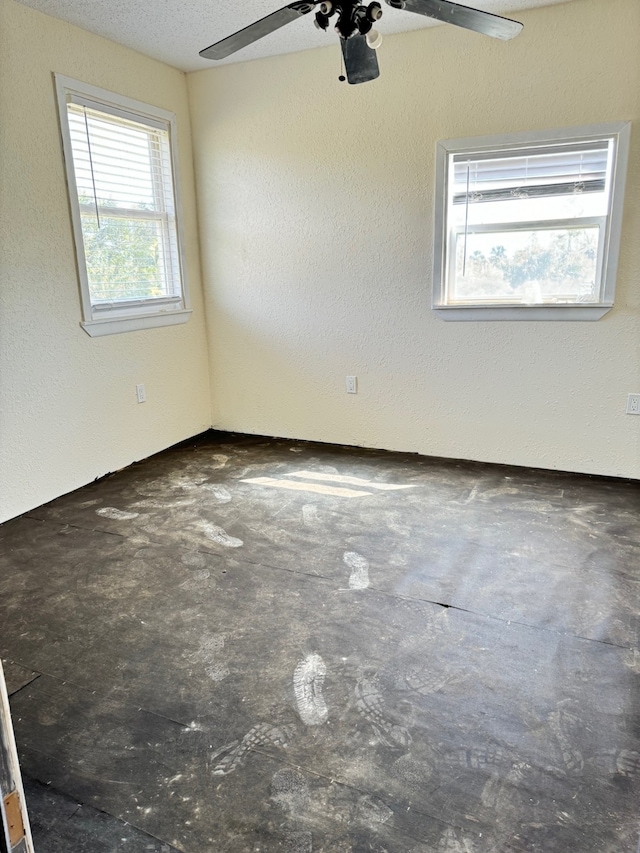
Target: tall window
column 120, row 163
column 528, row 226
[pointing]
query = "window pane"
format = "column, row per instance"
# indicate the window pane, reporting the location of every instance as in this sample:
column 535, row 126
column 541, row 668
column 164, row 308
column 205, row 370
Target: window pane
column 115, row 160
column 528, row 266
column 125, row 258
column 530, row 209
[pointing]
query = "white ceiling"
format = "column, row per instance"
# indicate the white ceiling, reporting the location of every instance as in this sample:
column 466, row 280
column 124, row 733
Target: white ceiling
column 173, row 31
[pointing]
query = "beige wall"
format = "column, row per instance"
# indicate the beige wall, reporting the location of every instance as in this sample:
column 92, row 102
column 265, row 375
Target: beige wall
column 316, row 218
column 68, row 410
column 315, row 208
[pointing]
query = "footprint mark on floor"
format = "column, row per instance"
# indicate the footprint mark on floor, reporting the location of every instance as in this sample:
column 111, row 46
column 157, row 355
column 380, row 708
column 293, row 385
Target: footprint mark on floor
column 565, row 727
column 220, row 493
column 359, row 565
column 116, row 514
column 452, row 841
column 310, row 515
column 411, row 772
column 217, row 671
column 476, row 758
column 194, row 559
column 198, row 579
column 289, row 789
column 217, row 534
column 619, row 762
column 210, row 646
column 219, row 460
column 298, row 842
column 370, row 705
column 425, row 681
column 262, row 734
column 308, row 678
column 372, row 812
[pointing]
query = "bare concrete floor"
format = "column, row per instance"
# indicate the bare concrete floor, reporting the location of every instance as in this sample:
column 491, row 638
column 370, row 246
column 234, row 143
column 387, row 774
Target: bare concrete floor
column 250, row 645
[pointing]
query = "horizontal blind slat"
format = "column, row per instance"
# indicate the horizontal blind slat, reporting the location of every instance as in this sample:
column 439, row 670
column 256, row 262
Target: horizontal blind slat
column 533, row 167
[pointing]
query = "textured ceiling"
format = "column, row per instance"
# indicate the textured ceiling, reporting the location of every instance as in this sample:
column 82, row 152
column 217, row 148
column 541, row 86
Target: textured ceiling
column 173, row 31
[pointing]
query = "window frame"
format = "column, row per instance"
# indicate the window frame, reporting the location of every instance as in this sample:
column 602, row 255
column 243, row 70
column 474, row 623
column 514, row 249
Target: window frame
column 619, row 132
column 113, row 318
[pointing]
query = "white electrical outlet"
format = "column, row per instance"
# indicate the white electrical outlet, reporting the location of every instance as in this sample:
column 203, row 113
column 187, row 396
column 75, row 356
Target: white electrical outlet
column 141, row 393
column 633, row 404
column 352, row 384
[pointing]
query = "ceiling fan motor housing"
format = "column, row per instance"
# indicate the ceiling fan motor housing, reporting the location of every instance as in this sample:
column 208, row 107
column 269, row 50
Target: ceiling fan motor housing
column 353, row 17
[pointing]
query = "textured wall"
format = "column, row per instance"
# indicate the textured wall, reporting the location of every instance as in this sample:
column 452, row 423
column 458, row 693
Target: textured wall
column 315, row 208
column 68, row 410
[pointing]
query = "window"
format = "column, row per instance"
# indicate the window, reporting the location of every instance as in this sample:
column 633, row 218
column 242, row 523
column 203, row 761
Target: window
column 527, row 226
column 121, row 173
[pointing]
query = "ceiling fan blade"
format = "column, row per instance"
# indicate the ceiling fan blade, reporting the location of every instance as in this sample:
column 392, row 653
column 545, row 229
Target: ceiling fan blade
column 257, row 30
column 464, row 16
column 360, row 61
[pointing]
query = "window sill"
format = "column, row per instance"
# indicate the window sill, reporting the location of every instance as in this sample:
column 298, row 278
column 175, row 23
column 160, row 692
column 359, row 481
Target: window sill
column 521, row 312
column 116, row 325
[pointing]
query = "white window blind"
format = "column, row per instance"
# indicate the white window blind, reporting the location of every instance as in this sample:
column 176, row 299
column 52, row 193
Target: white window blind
column 124, row 184
column 532, row 173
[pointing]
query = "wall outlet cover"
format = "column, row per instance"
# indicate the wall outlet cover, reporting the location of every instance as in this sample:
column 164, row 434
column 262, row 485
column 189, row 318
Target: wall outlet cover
column 633, row 404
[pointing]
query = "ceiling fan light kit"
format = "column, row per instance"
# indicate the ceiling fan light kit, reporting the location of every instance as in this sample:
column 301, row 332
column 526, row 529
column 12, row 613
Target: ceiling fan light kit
column 374, row 39
column 354, row 25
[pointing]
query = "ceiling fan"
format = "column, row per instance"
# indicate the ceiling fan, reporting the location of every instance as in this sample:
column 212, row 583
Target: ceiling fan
column 354, row 25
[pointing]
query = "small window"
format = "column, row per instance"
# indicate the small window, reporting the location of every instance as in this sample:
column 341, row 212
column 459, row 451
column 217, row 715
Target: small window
column 528, row 226
column 121, row 167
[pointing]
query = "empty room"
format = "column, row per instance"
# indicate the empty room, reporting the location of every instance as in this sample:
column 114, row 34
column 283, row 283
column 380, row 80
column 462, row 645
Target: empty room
column 320, row 426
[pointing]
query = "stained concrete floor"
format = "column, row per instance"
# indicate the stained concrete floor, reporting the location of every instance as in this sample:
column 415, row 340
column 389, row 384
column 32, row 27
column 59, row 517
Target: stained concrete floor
column 248, row 645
